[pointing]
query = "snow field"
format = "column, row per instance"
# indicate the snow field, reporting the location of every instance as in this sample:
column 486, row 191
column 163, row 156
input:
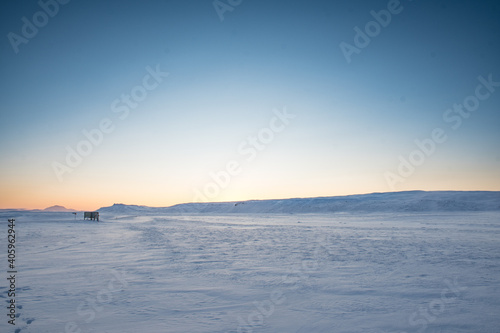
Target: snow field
column 384, row 272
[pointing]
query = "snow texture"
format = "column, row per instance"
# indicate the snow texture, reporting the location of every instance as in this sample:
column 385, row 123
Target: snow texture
column 374, row 272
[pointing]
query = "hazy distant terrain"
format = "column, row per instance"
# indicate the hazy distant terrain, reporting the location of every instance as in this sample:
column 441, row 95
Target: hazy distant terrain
column 409, row 201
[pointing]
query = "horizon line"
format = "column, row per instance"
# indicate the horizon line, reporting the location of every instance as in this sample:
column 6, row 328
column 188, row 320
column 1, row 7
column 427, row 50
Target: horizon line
column 232, row 201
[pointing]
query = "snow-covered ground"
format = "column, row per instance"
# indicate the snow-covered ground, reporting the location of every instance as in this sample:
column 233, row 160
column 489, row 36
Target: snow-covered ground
column 336, row 272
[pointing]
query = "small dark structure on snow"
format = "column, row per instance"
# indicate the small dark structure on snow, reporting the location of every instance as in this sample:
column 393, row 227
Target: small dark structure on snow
column 91, row 216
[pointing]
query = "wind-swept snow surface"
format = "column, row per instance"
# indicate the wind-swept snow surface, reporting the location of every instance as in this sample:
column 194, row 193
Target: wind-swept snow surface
column 378, row 272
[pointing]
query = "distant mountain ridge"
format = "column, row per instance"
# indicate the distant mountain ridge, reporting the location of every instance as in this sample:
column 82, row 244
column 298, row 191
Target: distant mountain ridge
column 408, row 201
column 58, row 208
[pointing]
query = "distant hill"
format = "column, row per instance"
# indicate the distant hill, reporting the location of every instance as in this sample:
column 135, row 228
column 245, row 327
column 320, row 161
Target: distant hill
column 127, row 209
column 57, row 208
column 408, row 201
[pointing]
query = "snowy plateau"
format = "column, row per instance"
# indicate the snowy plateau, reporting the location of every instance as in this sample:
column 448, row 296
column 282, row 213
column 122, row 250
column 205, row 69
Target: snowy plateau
column 383, row 262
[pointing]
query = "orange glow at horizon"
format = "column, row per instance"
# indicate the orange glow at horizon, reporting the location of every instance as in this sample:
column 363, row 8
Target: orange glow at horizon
column 92, row 197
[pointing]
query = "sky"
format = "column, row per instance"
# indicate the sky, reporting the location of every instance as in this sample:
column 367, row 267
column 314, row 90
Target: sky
column 164, row 102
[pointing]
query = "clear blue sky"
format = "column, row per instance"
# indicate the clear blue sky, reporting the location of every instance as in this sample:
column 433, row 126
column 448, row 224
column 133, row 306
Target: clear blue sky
column 227, row 81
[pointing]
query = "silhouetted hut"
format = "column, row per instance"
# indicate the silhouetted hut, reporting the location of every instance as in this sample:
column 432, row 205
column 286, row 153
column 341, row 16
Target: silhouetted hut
column 94, row 216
